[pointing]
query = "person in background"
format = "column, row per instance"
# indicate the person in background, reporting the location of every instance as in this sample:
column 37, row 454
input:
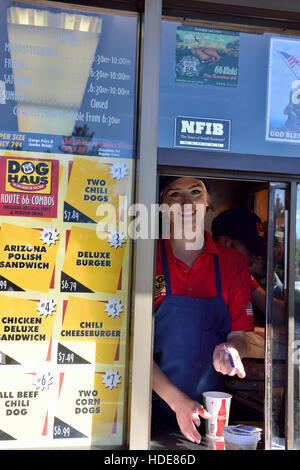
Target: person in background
column 242, row 230
column 202, row 290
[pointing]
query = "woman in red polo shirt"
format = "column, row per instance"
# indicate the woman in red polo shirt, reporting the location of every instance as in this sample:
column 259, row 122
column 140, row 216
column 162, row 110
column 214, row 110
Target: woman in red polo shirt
column 202, row 291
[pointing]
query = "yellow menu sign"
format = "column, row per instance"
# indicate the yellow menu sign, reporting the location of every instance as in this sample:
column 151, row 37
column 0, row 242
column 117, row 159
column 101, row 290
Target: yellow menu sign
column 27, row 257
column 91, row 184
column 64, row 287
column 91, row 263
column 89, row 323
column 24, row 406
column 87, row 404
column 26, row 329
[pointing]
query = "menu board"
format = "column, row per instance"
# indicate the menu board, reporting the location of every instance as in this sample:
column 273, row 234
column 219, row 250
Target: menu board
column 66, row 178
column 68, row 80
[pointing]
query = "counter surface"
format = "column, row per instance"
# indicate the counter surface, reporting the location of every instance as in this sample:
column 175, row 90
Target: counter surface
column 176, row 441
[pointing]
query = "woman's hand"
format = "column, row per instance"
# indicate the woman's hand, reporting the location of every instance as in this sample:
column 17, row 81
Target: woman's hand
column 188, row 414
column 187, row 411
column 222, row 361
column 236, row 344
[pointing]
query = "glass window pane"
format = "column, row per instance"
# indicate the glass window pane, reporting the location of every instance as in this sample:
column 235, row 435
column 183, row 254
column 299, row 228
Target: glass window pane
column 67, row 133
column 279, row 333
column 213, row 77
column 297, row 330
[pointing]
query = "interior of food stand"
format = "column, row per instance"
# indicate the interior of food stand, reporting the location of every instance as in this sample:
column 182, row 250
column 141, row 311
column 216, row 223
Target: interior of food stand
column 248, row 394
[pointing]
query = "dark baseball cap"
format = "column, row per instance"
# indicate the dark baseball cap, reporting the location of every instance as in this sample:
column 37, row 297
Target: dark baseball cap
column 242, row 225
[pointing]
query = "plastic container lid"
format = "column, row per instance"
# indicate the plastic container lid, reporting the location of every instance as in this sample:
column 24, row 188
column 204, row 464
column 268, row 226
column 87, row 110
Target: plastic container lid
column 241, row 434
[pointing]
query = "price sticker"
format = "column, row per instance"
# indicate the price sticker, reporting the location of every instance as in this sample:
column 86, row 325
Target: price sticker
column 111, row 379
column 68, row 286
column 119, row 171
column 114, row 308
column 61, row 432
column 65, row 358
column 49, row 235
column 71, row 216
column 46, row 307
column 116, row 239
column 43, row 381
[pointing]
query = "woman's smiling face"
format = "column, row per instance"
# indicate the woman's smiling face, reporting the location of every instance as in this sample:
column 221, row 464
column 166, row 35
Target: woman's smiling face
column 187, row 190
column 189, row 199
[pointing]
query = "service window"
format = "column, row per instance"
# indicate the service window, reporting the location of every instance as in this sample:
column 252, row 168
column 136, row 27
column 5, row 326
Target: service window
column 230, row 89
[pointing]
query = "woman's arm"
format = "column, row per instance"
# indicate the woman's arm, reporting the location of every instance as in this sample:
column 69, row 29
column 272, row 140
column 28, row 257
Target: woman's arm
column 187, row 410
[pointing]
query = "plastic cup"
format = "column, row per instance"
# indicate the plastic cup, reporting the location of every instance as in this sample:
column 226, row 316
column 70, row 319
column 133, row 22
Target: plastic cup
column 218, row 406
column 236, row 440
column 215, row 443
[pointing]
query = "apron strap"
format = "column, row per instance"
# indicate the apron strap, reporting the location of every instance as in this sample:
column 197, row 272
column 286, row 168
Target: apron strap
column 217, row 276
column 165, row 267
column 167, row 272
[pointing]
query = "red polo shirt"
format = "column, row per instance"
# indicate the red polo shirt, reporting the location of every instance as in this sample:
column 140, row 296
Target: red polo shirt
column 254, row 284
column 199, row 280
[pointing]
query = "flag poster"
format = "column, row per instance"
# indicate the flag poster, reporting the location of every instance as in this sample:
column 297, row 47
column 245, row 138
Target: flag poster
column 207, row 56
column 283, row 102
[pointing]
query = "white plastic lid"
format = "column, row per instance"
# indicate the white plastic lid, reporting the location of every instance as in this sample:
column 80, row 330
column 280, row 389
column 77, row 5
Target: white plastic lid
column 235, row 435
column 212, row 394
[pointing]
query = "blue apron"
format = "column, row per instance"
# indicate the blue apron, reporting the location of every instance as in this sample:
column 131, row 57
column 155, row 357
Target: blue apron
column 187, row 330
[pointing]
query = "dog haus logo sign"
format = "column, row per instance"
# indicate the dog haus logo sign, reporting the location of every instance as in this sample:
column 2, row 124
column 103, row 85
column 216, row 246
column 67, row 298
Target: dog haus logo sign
column 28, row 176
column 202, row 133
column 28, row 187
